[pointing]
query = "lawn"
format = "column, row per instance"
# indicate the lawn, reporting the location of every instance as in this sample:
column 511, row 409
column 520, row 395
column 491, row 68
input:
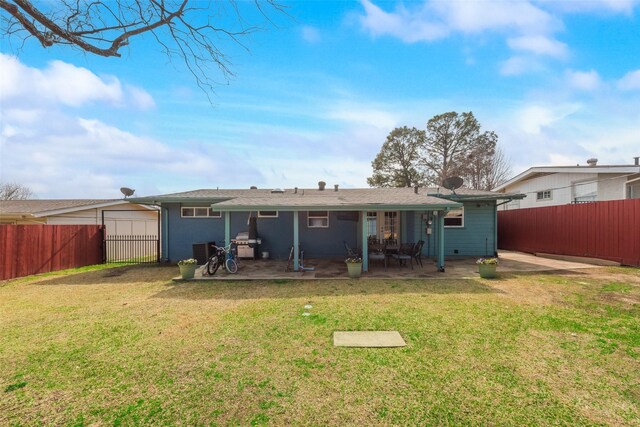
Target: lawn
column 127, row 346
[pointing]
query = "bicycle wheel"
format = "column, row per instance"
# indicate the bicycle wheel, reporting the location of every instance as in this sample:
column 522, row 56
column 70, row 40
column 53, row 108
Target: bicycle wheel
column 231, row 265
column 212, row 265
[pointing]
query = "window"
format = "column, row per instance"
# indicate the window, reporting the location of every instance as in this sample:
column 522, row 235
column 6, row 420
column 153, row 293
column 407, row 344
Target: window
column 318, row 219
column 267, row 214
column 543, row 195
column 199, row 212
column 454, row 218
column 372, row 225
column 390, row 226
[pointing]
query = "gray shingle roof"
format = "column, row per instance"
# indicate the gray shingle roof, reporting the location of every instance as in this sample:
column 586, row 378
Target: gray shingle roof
column 42, row 206
column 313, row 197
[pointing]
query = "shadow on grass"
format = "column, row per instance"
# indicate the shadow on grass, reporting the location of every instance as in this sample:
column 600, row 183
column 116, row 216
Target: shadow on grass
column 308, row 289
column 116, row 275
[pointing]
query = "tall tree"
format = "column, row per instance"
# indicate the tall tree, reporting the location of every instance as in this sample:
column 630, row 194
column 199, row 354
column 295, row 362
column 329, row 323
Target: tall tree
column 398, row 162
column 452, row 145
column 14, row 191
column 450, row 140
column 486, row 169
column 190, row 31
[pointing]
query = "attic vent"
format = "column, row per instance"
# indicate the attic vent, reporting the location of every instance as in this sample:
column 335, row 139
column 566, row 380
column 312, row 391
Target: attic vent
column 253, row 187
column 592, row 161
column 277, row 190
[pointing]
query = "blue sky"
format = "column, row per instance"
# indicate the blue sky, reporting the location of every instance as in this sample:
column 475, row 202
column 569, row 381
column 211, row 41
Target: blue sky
column 316, row 94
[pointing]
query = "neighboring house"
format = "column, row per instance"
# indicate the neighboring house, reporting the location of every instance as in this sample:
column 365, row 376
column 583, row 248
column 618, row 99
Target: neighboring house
column 120, row 217
column 561, row 185
column 320, row 220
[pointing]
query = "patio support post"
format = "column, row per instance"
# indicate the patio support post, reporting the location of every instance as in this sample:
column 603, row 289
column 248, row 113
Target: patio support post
column 365, row 247
column 440, row 217
column 227, row 228
column 296, row 242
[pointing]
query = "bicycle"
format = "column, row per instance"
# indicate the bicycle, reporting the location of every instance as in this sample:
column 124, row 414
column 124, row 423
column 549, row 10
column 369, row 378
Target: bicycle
column 224, row 255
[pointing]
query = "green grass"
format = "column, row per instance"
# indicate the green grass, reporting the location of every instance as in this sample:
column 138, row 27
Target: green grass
column 129, row 347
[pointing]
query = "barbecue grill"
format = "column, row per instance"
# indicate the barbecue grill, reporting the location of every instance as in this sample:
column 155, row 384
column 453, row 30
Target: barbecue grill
column 247, row 248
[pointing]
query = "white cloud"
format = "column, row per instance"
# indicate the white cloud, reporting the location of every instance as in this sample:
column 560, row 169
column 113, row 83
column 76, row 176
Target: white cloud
column 630, row 81
column 498, row 15
column 63, row 84
column 517, row 65
column 534, row 118
column 359, row 114
column 539, row 45
column 310, row 34
column 409, row 26
column 531, row 26
column 140, row 98
column 590, row 6
column 583, row 80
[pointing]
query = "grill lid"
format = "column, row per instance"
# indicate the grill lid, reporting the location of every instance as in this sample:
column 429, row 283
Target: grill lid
column 243, row 235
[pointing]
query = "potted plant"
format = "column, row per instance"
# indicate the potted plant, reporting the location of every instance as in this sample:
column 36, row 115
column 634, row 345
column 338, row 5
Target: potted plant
column 354, row 265
column 188, row 268
column 487, row 267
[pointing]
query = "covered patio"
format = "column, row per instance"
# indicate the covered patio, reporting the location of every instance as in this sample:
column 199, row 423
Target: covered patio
column 334, row 202
column 328, row 269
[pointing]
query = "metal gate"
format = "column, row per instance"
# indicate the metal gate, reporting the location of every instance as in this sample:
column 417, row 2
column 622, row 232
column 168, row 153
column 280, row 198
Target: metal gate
column 131, row 248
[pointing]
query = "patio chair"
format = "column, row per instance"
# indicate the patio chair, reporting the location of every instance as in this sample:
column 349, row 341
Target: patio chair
column 417, row 252
column 377, row 252
column 350, row 252
column 405, row 253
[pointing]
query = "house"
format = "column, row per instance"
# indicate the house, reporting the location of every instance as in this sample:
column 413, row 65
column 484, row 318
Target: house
column 322, row 220
column 561, row 185
column 118, row 216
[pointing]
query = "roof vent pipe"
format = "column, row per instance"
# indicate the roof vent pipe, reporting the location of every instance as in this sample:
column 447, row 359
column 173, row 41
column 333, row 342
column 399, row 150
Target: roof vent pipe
column 415, row 189
column 321, row 185
column 637, row 161
column 592, row 161
column 295, row 190
column 335, row 187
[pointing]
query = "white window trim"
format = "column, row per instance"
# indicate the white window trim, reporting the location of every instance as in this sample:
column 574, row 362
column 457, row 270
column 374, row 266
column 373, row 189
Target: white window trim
column 208, row 208
column 542, row 199
column 455, row 226
column 268, row 216
column 309, row 217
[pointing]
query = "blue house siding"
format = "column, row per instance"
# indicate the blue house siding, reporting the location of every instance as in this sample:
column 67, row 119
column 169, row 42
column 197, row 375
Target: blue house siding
column 276, row 233
column 477, row 237
column 184, row 232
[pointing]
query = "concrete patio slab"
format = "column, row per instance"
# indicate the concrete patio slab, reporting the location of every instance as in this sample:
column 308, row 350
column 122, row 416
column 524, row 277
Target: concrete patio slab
column 335, row 269
column 368, row 339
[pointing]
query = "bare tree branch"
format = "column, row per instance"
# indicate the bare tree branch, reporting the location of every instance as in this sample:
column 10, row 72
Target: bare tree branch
column 182, row 28
column 14, row 191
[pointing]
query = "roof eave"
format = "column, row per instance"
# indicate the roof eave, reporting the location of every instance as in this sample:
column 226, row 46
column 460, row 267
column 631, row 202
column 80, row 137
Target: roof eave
column 481, row 197
column 159, row 200
column 366, row 207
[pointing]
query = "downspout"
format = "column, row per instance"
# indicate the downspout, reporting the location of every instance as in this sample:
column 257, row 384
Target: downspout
column 495, row 226
column 165, row 241
column 495, row 230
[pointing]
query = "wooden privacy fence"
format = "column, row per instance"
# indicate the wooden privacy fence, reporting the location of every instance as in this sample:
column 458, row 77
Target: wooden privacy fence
column 33, row 249
column 606, row 230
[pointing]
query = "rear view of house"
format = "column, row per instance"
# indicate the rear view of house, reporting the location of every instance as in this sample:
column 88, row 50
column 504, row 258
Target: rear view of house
column 322, row 220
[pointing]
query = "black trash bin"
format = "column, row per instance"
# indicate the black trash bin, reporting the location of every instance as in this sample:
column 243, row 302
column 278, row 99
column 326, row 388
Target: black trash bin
column 202, row 251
